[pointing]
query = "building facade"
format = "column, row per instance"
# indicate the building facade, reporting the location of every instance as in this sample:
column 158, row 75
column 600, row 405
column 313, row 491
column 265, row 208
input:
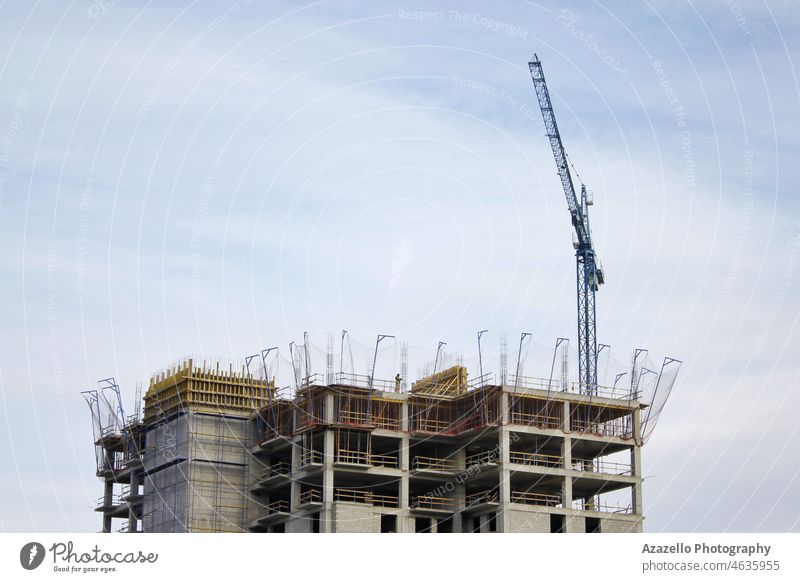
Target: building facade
column 344, row 456
column 217, row 451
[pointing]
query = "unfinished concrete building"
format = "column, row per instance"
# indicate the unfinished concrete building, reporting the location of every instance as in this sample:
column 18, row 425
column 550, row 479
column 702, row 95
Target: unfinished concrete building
column 448, row 456
column 218, row 450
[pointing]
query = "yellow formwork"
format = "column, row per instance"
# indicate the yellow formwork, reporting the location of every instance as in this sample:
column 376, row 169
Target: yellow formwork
column 449, row 382
column 204, row 388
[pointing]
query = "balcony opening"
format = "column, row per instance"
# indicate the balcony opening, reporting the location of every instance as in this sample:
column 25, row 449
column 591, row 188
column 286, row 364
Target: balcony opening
column 557, row 524
column 388, row 523
column 444, row 525
column 592, row 525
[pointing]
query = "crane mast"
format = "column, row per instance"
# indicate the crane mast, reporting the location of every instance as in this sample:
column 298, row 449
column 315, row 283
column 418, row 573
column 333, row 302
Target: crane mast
column 589, row 274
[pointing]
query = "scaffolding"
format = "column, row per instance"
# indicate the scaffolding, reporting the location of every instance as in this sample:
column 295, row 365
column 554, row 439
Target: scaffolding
column 118, row 443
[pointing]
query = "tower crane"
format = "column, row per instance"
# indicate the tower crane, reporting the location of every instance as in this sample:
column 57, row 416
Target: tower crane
column 589, row 270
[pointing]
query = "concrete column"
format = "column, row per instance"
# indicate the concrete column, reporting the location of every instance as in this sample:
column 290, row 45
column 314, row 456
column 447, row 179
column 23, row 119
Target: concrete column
column 294, row 486
column 566, row 425
column 505, row 473
column 329, row 414
column 636, row 468
column 328, row 455
column 326, row 515
column 566, row 481
column 505, row 482
column 566, row 486
column 404, row 520
column 459, row 492
column 505, row 413
column 133, row 521
column 108, row 498
column 484, row 523
column 404, row 481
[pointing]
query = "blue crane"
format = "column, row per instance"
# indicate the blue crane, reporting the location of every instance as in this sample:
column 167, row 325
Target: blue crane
column 589, row 271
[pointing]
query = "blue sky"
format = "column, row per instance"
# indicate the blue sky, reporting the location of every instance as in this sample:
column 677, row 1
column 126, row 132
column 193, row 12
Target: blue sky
column 199, row 177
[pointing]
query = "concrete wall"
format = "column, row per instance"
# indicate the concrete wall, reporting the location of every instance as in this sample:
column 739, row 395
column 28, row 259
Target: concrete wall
column 217, row 503
column 300, row 524
column 520, row 521
column 355, row 518
column 196, row 474
column 166, row 442
column 609, row 525
column 575, row 524
column 218, row 438
column 165, row 505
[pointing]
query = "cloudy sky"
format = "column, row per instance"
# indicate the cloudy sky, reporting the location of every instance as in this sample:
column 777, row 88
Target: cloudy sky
column 204, row 178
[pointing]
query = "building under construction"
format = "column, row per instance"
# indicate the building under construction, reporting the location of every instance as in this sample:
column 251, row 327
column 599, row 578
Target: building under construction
column 218, row 450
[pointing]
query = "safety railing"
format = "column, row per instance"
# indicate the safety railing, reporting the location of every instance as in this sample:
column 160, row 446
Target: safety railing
column 354, row 457
column 386, row 423
column 310, row 457
column 603, row 507
column 360, row 417
column 538, row 420
column 363, row 381
column 364, row 496
column 366, row 458
column 530, row 498
column 312, row 380
column 539, row 459
column 276, row 469
column 482, row 497
column 381, row 460
column 602, row 466
column 127, row 492
column 532, row 382
column 109, row 431
column 280, row 506
column 615, row 393
column 479, row 382
column 618, row 427
column 115, row 462
column 110, row 501
column 556, row 385
column 431, row 503
column 483, row 458
column 420, row 463
column 310, row 496
column 352, row 417
column 430, row 425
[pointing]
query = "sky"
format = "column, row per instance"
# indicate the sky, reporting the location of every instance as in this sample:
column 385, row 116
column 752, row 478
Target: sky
column 216, row 178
